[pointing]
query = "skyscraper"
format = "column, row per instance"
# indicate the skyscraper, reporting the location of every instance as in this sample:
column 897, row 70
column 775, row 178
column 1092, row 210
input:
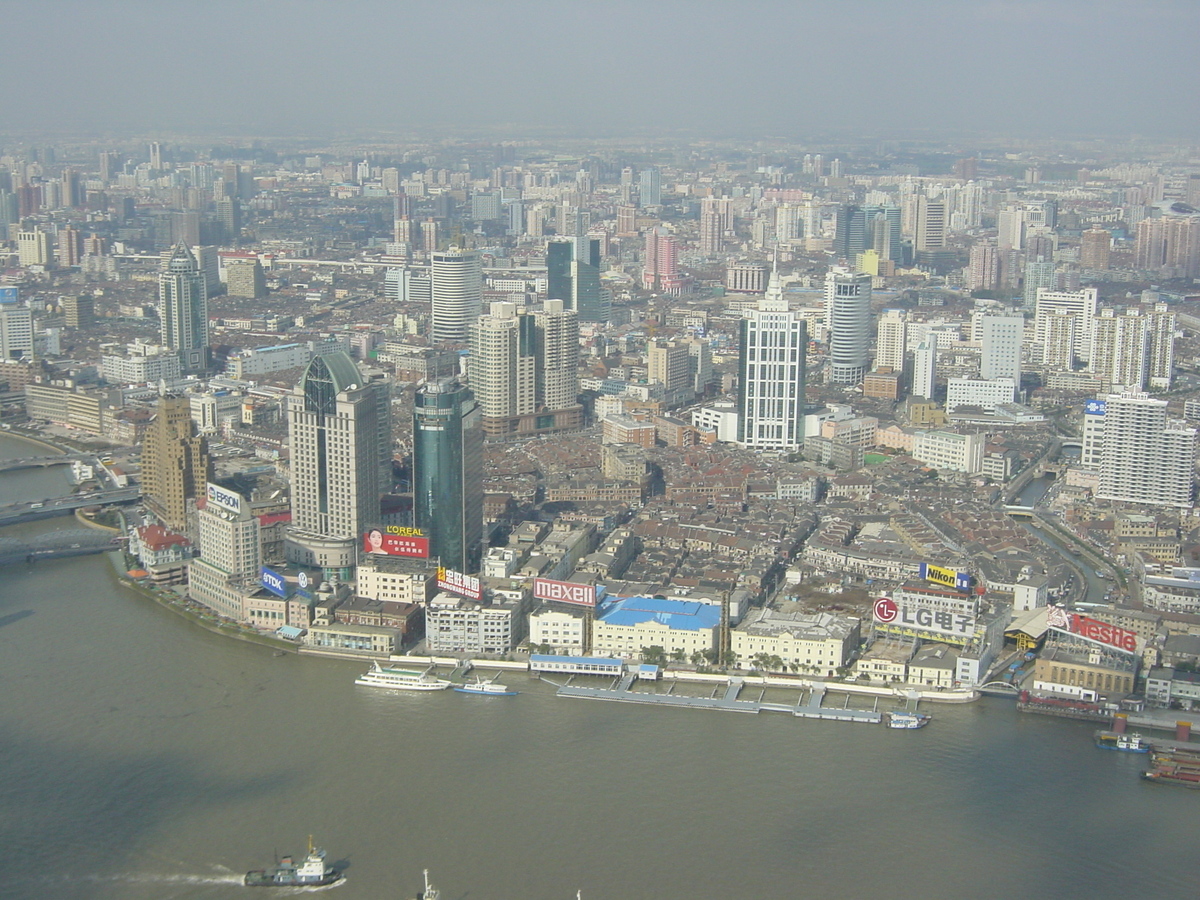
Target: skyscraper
column 524, row 369
column 340, row 429
column 650, row 187
column 448, row 473
column 575, row 279
column 175, row 463
column 183, row 310
column 772, row 370
column 456, row 288
column 1136, row 431
column 660, row 269
column 848, row 320
column 1095, row 248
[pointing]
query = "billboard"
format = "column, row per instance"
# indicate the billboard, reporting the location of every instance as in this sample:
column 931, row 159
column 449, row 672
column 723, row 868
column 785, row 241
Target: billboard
column 226, row 499
column 1092, row 629
column 959, row 581
column 1095, row 407
column 910, row 614
column 273, row 582
column 395, row 540
column 564, row 592
column 458, row 583
column 9, row 295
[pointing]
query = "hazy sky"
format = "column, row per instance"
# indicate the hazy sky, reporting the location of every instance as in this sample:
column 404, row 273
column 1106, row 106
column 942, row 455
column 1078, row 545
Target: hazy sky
column 605, row 67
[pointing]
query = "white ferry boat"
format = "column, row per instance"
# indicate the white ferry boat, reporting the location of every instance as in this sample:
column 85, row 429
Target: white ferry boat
column 402, row 679
column 906, row 720
column 480, row 686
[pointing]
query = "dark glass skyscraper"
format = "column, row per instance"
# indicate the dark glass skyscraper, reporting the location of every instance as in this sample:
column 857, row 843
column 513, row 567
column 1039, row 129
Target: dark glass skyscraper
column 448, row 473
column 576, row 281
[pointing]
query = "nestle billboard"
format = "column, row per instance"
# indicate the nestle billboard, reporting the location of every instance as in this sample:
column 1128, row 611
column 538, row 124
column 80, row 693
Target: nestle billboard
column 397, row 541
column 564, row 592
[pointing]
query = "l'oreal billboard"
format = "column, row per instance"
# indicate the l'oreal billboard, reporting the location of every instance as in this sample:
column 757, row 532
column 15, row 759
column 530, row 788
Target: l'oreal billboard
column 395, row 540
column 960, row 581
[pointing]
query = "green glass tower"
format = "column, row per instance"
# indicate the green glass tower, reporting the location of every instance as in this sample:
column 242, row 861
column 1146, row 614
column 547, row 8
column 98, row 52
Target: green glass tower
column 448, row 473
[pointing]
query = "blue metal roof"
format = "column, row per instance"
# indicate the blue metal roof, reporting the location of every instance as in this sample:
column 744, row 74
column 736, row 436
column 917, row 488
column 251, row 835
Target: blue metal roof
column 577, row 660
column 685, row 615
column 289, row 631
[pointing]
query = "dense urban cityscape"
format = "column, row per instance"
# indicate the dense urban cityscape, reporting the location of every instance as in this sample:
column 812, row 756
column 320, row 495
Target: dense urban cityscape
column 862, row 431
column 865, row 413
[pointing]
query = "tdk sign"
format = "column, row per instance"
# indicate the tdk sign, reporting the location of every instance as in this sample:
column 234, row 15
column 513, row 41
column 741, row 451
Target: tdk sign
column 274, row 582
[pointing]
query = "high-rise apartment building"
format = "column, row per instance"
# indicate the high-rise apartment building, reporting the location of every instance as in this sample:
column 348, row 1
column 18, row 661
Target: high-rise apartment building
column 1145, row 457
column 245, row 278
column 848, row 321
column 183, row 310
column 175, row 463
column 984, row 268
column 339, row 425
column 660, row 269
column 1080, row 304
column 891, row 339
column 1095, row 248
column 772, row 368
column 35, row 248
column 930, row 225
column 1120, row 349
column 1169, row 245
column 924, row 379
column 1162, row 347
column 1000, row 340
column 524, row 369
column 1060, row 330
column 79, row 310
column 448, row 473
column 16, row 331
column 456, row 289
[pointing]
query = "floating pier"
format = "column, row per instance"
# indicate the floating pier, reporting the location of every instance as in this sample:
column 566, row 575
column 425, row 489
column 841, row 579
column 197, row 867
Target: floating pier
column 807, row 708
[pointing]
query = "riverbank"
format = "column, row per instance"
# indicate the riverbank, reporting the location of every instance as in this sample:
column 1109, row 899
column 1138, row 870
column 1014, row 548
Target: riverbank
column 174, row 604
column 41, row 442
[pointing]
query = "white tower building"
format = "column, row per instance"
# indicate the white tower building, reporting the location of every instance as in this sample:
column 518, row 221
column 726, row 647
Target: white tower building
column 456, row 289
column 1145, row 458
column 183, row 309
column 771, row 370
column 890, row 339
column 1000, row 342
column 848, row 318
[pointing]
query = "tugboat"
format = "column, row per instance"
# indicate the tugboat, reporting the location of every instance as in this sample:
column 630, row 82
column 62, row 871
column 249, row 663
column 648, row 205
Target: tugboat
column 312, row 872
column 1128, row 743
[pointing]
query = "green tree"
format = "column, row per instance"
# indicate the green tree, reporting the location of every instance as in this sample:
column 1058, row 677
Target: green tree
column 654, row 655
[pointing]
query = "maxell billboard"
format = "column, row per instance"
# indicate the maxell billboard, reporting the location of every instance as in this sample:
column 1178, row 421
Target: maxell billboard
column 907, row 614
column 564, row 592
column 395, row 540
column 960, row 581
column 458, row 583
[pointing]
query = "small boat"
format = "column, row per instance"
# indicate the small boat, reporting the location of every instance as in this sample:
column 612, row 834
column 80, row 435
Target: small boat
column 482, row 686
column 906, row 720
column 402, row 679
column 1128, row 743
column 311, row 872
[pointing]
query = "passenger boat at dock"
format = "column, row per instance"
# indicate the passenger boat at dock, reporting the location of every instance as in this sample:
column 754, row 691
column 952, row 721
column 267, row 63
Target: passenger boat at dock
column 906, row 720
column 398, row 679
column 1128, row 743
column 487, row 687
column 311, row 872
